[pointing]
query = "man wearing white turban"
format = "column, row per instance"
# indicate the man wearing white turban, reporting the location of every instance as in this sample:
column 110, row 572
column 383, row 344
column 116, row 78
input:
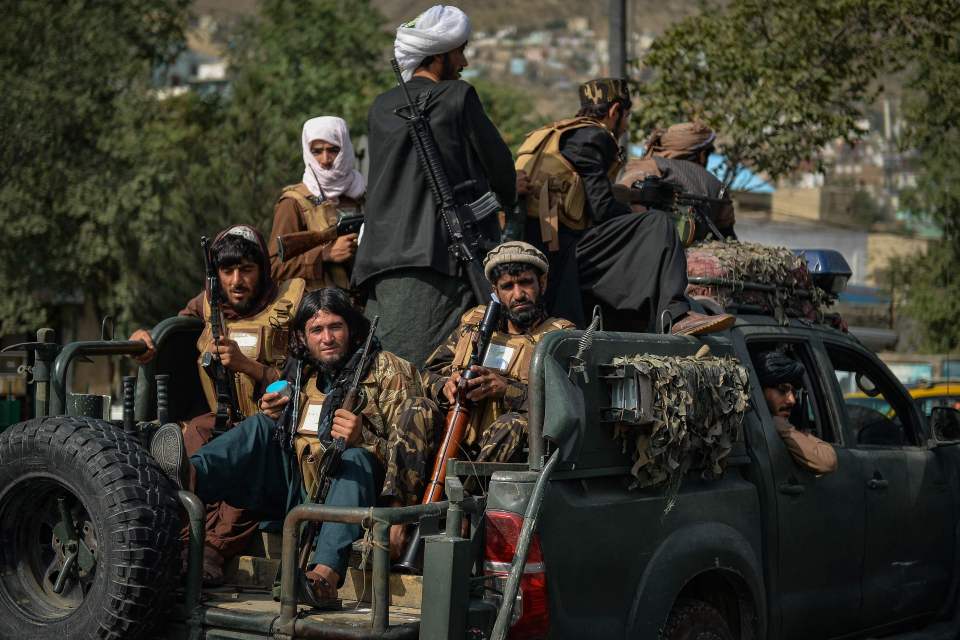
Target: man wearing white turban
column 330, row 183
column 412, row 282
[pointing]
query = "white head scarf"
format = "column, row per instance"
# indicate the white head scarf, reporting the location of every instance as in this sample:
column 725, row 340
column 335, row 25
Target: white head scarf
column 340, row 179
column 437, row 30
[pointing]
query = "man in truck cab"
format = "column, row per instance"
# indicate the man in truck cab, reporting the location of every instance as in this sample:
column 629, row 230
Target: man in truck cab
column 498, row 424
column 782, row 378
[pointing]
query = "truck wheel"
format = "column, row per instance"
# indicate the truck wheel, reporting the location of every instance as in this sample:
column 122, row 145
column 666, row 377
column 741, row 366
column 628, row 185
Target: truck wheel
column 88, row 531
column 695, row 620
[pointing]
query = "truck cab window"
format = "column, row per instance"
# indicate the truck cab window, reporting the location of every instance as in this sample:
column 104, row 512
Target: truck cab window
column 878, row 412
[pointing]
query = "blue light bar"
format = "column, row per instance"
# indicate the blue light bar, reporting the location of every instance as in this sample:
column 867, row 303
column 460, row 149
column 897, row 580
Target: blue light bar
column 828, row 269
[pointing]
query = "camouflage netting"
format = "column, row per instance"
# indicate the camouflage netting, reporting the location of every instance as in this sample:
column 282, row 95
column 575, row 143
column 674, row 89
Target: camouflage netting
column 697, row 406
column 736, row 263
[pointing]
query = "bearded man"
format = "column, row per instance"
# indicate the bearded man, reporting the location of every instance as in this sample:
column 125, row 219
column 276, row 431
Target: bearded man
column 679, row 155
column 330, row 184
column 498, row 425
column 256, row 315
column 388, row 437
column 412, row 281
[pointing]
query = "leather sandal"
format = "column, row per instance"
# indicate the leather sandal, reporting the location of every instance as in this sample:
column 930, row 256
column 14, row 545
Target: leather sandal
column 316, row 591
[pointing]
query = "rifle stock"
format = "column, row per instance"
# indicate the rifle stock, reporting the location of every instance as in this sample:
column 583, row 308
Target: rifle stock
column 455, row 427
column 292, row 245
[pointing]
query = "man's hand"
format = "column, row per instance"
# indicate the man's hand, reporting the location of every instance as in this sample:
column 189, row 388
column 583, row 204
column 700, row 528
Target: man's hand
column 272, row 404
column 346, row 425
column 523, row 183
column 232, row 358
column 486, row 383
column 144, row 336
column 341, row 249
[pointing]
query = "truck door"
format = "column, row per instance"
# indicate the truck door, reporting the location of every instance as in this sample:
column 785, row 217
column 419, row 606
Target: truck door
column 818, row 541
column 909, row 538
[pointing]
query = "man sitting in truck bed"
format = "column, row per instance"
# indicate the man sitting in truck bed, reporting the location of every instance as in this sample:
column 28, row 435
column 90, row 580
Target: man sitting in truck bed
column 781, row 378
column 498, row 425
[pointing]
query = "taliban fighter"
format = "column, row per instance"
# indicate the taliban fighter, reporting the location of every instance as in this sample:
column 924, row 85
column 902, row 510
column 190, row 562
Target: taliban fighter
column 600, row 249
column 403, row 264
column 256, row 314
column 265, row 468
column 518, row 273
column 330, row 184
column 679, row 155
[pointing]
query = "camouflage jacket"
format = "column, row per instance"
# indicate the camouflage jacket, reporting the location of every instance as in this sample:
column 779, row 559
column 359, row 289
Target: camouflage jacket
column 396, row 428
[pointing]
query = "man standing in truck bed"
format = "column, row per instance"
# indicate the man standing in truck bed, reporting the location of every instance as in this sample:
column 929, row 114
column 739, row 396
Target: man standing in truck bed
column 498, row 426
column 413, row 282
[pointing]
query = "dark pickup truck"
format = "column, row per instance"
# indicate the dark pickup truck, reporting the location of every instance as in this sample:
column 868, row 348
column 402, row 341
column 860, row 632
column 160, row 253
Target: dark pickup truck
column 88, row 545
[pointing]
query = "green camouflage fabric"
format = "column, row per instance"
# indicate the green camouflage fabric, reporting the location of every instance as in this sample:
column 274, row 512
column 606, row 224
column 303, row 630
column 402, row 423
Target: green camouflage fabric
column 603, row 91
column 502, row 440
column 399, row 426
column 736, row 264
column 697, row 406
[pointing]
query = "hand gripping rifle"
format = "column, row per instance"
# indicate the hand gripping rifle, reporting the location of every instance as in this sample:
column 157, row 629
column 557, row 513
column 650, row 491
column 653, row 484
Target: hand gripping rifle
column 463, row 242
column 291, row 245
column 458, row 418
column 228, row 410
column 329, row 463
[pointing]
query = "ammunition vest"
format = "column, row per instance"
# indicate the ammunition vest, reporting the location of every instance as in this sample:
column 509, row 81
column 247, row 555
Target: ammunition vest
column 556, row 190
column 306, row 444
column 508, row 354
column 318, row 217
column 263, row 337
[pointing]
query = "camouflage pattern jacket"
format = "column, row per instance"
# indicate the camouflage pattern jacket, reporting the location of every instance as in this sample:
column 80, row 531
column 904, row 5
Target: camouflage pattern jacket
column 397, row 426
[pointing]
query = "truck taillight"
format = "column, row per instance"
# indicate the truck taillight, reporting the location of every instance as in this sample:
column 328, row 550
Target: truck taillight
column 531, row 617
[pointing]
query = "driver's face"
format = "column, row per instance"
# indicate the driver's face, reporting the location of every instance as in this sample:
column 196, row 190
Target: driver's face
column 780, row 399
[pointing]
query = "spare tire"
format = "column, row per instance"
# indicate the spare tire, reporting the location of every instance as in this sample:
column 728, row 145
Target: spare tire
column 88, row 531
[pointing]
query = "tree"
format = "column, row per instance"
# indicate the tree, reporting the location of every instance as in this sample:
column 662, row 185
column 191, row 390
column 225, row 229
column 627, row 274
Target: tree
column 777, row 79
column 928, row 290
column 510, row 109
column 68, row 70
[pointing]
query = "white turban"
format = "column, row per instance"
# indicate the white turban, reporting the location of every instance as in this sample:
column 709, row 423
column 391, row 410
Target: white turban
column 437, row 30
column 340, row 179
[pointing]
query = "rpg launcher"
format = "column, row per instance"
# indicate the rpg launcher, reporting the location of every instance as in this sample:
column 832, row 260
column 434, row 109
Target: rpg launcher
column 463, row 241
column 291, row 245
column 458, row 418
column 655, row 193
column 228, row 410
column 329, row 463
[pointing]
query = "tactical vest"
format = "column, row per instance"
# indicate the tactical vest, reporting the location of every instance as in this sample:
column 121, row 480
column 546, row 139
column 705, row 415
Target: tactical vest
column 556, row 190
column 306, row 444
column 317, row 218
column 263, row 337
column 508, row 354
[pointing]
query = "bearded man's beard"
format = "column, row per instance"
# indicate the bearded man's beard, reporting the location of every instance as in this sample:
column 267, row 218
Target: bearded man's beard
column 528, row 318
column 448, row 71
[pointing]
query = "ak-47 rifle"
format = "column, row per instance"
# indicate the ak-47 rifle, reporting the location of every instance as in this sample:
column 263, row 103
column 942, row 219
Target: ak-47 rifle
column 458, row 418
column 464, row 243
column 330, row 458
column 291, row 245
column 656, row 193
column 228, row 410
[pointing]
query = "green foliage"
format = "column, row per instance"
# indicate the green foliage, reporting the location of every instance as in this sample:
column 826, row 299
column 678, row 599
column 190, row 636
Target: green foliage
column 777, row 79
column 926, row 287
column 69, row 70
column 512, row 110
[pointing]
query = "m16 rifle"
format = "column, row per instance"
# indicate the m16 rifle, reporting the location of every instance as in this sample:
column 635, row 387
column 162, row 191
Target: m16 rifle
column 464, row 243
column 291, row 245
column 224, row 384
column 655, row 193
column 458, row 418
column 329, row 463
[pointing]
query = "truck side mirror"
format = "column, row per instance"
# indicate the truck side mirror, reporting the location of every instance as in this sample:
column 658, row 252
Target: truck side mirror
column 945, row 424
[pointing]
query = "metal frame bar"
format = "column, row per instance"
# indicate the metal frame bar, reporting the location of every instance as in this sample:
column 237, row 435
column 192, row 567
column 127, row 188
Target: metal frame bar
column 61, row 366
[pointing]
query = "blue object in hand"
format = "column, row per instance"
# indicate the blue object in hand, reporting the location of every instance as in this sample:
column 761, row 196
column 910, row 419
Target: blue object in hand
column 280, row 386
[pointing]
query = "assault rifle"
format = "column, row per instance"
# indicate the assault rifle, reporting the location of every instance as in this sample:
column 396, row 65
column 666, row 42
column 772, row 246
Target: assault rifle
column 655, row 193
column 464, row 242
column 329, row 463
column 291, row 245
column 228, row 410
column 458, row 418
